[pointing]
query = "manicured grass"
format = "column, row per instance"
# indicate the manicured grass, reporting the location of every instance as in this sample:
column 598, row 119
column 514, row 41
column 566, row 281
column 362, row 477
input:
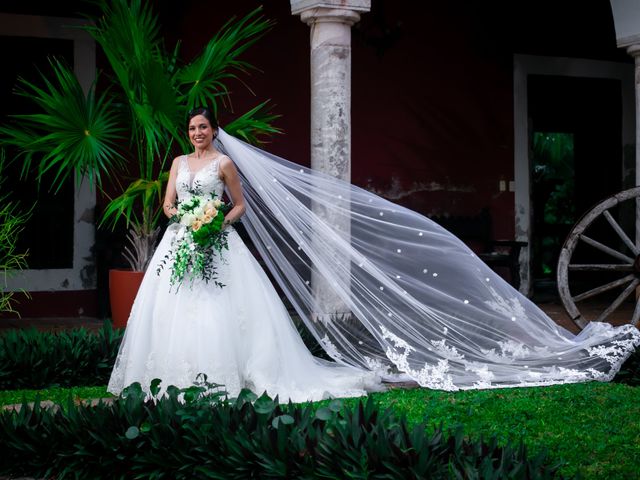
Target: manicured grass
column 56, row 395
column 593, row 427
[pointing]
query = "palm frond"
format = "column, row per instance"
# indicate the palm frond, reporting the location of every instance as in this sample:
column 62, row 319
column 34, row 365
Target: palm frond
column 72, row 132
column 128, row 33
column 145, row 193
column 203, row 80
column 254, row 123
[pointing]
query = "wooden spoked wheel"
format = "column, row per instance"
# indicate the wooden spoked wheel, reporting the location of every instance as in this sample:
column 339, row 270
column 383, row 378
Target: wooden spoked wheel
column 603, row 248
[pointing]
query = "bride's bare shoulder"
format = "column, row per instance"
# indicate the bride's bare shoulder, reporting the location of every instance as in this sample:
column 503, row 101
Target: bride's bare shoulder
column 226, row 164
column 227, row 170
column 176, row 162
column 225, row 160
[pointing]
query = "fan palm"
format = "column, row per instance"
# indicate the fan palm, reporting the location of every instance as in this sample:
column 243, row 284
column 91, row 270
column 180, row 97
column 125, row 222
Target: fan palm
column 149, row 92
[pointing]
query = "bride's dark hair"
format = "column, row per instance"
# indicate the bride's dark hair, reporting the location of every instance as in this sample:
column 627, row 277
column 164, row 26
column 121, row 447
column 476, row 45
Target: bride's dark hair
column 206, row 113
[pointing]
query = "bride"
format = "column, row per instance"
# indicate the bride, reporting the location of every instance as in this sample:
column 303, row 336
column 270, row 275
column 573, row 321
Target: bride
column 389, row 294
column 240, row 335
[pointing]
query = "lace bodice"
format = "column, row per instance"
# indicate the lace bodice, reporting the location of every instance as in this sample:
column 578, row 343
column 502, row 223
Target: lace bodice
column 206, row 179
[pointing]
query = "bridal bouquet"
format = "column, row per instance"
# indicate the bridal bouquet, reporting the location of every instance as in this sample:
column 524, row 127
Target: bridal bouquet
column 200, row 238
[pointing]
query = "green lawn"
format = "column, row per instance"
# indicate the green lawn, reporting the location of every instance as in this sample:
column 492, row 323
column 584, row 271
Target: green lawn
column 594, row 427
column 57, row 395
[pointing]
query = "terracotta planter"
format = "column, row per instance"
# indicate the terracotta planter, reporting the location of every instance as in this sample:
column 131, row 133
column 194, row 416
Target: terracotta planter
column 123, row 288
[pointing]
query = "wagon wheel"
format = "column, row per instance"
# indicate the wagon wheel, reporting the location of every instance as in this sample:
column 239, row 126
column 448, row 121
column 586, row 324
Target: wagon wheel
column 610, row 232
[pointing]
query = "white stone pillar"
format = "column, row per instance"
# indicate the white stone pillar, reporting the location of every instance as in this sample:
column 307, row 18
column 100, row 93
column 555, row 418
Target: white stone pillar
column 330, row 22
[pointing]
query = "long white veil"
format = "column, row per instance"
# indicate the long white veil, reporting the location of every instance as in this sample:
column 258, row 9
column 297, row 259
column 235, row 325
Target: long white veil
column 384, row 288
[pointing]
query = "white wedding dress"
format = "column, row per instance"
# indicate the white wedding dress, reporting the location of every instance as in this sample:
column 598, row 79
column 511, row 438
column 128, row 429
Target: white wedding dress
column 240, row 335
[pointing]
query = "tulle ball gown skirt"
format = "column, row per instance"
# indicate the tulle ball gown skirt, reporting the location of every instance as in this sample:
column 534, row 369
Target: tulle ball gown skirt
column 240, row 336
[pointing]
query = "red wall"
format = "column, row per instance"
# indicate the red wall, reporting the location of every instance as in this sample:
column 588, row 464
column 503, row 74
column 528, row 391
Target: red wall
column 429, row 115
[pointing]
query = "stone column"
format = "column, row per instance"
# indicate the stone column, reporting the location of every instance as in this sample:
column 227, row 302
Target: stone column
column 330, row 22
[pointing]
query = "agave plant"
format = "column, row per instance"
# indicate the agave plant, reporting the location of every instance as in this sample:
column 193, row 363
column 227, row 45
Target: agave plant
column 137, row 119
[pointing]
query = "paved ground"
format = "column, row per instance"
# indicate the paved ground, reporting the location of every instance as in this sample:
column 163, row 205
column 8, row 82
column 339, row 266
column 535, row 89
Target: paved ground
column 51, row 324
column 590, row 311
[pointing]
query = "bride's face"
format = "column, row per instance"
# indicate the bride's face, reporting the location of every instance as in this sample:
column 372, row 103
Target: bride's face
column 200, row 132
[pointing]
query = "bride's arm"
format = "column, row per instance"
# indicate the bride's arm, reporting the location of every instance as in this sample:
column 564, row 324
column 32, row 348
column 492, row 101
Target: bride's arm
column 169, row 204
column 230, row 176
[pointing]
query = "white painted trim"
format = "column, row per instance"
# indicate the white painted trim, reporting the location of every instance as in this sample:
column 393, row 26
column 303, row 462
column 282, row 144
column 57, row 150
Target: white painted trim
column 82, row 276
column 525, row 65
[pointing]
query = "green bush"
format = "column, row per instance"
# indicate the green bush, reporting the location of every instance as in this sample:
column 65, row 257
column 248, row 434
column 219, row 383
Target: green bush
column 12, row 222
column 249, row 437
column 37, row 360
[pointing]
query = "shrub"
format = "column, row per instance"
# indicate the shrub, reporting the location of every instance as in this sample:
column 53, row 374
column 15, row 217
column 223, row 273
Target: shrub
column 186, row 435
column 12, row 222
column 37, row 360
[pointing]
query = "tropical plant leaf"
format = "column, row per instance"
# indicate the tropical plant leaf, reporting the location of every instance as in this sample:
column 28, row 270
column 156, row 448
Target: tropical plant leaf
column 203, row 80
column 12, row 221
column 73, row 133
column 148, row 193
column 252, row 124
column 128, row 33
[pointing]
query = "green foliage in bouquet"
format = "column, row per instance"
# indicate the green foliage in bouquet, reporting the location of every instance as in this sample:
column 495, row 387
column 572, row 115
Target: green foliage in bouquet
column 198, row 238
column 137, row 120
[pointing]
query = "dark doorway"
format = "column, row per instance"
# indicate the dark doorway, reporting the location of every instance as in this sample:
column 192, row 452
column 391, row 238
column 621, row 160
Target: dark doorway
column 575, row 128
column 48, row 236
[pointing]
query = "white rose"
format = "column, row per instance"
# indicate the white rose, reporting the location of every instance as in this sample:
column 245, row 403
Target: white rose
column 217, row 203
column 209, row 205
column 198, row 212
column 187, row 219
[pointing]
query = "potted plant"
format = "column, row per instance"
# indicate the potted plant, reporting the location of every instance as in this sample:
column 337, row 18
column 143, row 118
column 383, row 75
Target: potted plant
column 135, row 121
